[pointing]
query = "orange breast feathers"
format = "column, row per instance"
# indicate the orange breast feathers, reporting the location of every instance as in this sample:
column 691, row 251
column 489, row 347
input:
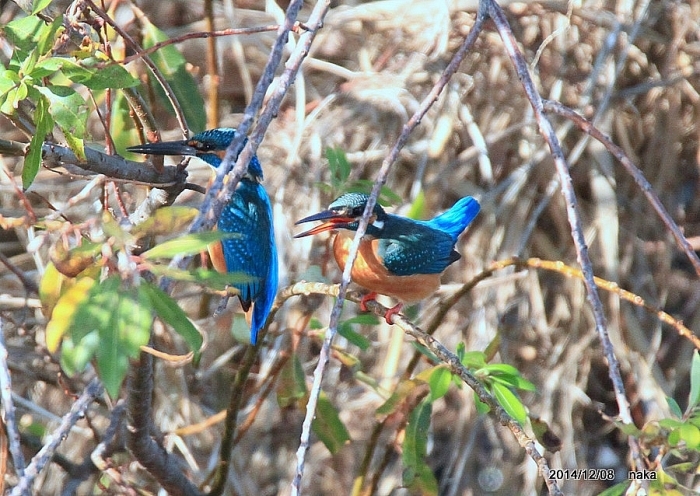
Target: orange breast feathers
column 369, row 272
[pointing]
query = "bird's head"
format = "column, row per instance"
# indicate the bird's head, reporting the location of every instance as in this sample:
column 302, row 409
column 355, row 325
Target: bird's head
column 345, row 213
column 209, row 146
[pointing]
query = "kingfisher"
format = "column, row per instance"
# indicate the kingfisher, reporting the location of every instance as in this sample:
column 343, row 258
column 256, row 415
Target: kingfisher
column 248, row 214
column 398, row 257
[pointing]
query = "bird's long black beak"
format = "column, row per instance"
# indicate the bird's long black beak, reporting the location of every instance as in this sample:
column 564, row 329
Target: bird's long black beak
column 333, row 220
column 165, row 148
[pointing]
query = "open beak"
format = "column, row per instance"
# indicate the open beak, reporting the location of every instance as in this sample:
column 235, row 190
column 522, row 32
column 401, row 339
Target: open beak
column 332, row 220
column 165, row 148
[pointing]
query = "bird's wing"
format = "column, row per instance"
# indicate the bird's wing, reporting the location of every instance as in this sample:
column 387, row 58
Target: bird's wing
column 252, row 251
column 423, row 251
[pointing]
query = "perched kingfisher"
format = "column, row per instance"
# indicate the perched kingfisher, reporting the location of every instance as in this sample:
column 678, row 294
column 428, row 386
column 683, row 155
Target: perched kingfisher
column 248, row 214
column 398, row 257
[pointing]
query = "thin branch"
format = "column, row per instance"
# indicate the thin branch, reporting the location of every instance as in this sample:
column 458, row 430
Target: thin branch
column 77, row 411
column 408, row 128
column 9, row 418
column 588, row 127
column 448, row 358
column 548, row 133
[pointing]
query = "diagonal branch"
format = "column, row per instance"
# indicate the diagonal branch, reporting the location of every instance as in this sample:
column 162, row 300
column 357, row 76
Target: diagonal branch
column 548, row 133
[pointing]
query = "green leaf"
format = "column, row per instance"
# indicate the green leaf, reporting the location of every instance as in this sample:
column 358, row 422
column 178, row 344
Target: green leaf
column 417, row 474
column 129, row 328
column 27, row 65
column 98, row 77
column 39, row 5
column 291, row 383
column 339, row 167
column 691, row 435
column 668, row 423
column 8, row 80
column 170, row 312
column 24, row 34
column 510, row 402
column 417, row 210
column 174, row 67
column 501, row 369
column 481, row 407
column 209, row 278
column 77, row 145
column 674, row 407
column 328, row 426
column 44, row 124
column 47, row 34
column 68, row 109
column 346, row 330
column 75, row 357
column 405, row 394
column 439, row 382
column 474, row 359
column 190, row 244
column 694, row 396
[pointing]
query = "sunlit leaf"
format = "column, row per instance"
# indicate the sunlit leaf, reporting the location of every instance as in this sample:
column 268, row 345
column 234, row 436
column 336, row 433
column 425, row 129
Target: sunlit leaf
column 174, row 67
column 510, row 402
column 291, row 383
column 328, row 426
column 65, row 309
column 190, row 244
column 68, row 108
column 166, row 220
column 170, row 312
column 439, row 382
column 98, row 77
column 24, row 32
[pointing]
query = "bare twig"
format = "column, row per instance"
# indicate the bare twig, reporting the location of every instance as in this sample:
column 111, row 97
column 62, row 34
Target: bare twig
column 9, row 407
column 587, row 127
column 77, row 411
column 448, row 358
column 408, row 128
column 547, row 131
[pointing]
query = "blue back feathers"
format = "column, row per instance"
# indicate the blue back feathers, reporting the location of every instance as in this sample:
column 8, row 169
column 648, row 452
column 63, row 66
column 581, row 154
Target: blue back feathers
column 407, row 246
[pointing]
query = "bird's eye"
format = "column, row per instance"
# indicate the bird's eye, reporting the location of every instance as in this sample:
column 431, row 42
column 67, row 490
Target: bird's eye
column 358, row 211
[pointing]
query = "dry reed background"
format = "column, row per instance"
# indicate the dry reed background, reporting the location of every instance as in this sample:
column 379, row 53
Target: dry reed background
column 631, row 65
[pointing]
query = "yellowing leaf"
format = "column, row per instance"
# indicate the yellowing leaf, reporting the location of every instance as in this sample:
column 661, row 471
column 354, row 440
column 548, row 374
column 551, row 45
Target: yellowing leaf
column 64, row 311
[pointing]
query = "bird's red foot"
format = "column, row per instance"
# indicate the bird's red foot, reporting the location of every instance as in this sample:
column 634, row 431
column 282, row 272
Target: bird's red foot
column 391, row 312
column 365, row 298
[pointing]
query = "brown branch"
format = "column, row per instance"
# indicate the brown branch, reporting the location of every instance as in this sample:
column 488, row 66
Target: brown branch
column 588, row 127
column 547, row 131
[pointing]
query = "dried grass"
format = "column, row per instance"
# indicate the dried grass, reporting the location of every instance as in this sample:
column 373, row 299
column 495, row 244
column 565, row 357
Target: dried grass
column 370, row 66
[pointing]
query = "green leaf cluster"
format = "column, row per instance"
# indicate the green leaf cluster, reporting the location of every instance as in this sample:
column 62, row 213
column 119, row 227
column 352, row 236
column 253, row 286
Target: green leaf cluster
column 36, row 72
column 98, row 314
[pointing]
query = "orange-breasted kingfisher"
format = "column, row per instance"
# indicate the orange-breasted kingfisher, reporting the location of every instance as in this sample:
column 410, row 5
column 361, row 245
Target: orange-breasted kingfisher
column 248, row 213
column 398, row 257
